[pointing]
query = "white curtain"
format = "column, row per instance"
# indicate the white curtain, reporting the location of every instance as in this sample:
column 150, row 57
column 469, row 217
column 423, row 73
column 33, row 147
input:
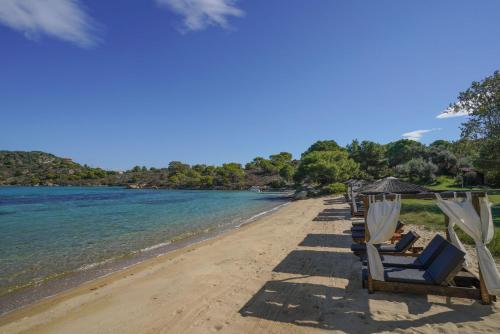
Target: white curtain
column 454, row 238
column 478, row 227
column 381, row 220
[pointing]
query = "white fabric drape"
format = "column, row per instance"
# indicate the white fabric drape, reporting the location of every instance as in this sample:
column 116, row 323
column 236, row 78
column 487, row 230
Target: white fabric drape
column 454, row 238
column 478, row 227
column 381, row 220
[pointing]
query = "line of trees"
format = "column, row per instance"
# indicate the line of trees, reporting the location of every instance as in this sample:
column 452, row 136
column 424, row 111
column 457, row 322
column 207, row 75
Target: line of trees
column 476, row 152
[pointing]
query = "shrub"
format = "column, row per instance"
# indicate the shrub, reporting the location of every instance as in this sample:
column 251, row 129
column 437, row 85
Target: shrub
column 334, row 188
column 337, row 188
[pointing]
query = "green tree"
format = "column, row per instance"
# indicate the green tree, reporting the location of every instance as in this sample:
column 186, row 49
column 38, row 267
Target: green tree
column 325, row 167
column 403, row 150
column 136, row 169
column 442, row 144
column 482, row 102
column 286, row 172
column 417, row 170
column 370, row 156
column 230, row 175
column 281, row 159
column 323, row 145
column 177, row 167
column 444, row 159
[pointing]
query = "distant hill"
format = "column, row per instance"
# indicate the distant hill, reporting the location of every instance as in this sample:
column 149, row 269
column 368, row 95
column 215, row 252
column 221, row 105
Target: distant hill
column 40, row 168
column 32, row 168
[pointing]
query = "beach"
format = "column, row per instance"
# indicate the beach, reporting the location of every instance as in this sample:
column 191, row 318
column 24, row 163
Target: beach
column 284, row 273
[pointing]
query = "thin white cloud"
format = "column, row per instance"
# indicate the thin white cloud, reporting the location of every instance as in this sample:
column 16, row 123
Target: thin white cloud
column 199, row 14
column 454, row 111
column 63, row 19
column 417, row 134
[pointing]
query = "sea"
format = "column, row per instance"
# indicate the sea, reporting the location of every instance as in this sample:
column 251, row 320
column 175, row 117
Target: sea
column 54, row 238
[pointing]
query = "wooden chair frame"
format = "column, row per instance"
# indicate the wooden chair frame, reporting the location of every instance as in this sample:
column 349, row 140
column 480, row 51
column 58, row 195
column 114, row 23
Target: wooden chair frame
column 452, row 291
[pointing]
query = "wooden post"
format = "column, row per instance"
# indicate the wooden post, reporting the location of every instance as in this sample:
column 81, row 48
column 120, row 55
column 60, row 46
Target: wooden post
column 485, row 296
column 366, row 204
column 446, row 223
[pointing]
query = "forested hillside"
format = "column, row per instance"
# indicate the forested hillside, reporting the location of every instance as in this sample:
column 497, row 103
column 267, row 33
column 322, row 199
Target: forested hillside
column 39, row 168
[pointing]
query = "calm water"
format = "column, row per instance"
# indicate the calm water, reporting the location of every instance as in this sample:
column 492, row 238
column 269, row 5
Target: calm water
column 49, row 232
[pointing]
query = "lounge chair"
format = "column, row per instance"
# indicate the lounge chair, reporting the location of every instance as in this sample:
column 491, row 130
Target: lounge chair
column 361, row 227
column 437, row 279
column 422, row 261
column 403, row 245
column 359, row 236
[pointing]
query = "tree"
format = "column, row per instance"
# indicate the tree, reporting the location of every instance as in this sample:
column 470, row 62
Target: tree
column 482, row 103
column 417, row 170
column 230, row 174
column 323, row 145
column 370, row 156
column 403, row 150
column 444, row 159
column 286, row 172
column 177, row 167
column 325, row 167
column 280, row 159
column 136, row 169
column 440, row 143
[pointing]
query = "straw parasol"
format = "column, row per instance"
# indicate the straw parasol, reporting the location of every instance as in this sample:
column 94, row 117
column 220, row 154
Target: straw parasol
column 392, row 185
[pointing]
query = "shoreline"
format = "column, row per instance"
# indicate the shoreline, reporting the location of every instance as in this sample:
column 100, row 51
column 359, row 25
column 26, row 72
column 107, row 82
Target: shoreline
column 87, row 274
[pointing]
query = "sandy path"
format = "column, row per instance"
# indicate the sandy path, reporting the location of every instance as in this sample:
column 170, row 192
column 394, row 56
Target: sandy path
column 283, row 274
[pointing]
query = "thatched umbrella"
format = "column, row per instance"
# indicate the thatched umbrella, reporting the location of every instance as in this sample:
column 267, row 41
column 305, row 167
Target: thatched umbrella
column 392, row 185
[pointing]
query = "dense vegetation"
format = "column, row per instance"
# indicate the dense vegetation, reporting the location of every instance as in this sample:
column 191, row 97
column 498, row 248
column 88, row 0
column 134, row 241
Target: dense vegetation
column 39, row 168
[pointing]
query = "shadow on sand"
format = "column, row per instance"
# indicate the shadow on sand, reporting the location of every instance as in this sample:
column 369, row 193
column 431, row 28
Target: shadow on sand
column 333, row 214
column 350, row 309
column 320, row 306
column 331, row 201
column 312, row 263
column 327, row 240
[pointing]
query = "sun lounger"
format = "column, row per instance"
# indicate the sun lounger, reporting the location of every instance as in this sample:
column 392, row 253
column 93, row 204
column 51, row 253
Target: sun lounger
column 401, row 246
column 361, row 227
column 359, row 235
column 437, row 279
column 422, row 261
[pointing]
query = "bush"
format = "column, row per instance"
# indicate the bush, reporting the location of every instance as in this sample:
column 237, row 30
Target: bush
column 417, row 170
column 333, row 189
column 337, row 188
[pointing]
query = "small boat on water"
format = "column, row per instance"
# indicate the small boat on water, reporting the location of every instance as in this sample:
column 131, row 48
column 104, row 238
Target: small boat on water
column 255, row 189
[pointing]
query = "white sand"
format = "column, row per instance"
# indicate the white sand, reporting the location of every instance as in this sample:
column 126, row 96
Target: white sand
column 283, row 274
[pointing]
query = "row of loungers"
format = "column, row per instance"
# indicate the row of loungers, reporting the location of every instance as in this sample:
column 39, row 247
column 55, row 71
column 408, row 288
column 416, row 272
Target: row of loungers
column 360, row 210
column 358, row 231
column 438, row 269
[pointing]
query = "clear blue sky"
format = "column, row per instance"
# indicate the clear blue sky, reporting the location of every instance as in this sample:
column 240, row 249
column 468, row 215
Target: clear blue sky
column 143, row 82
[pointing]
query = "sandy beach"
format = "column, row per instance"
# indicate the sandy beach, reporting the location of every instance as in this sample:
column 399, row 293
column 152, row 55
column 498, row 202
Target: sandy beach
column 285, row 273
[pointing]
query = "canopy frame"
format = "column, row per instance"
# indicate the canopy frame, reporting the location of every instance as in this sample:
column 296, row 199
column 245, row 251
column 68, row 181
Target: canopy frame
column 486, row 298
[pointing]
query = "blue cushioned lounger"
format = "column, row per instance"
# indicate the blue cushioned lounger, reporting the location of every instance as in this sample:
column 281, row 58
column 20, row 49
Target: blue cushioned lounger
column 400, row 247
column 423, row 261
column 447, row 263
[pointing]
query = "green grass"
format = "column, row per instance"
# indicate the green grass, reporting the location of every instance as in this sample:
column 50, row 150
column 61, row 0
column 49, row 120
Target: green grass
column 427, row 213
column 448, row 183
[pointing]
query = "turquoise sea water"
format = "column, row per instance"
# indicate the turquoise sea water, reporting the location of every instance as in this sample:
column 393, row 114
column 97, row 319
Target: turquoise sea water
column 50, row 232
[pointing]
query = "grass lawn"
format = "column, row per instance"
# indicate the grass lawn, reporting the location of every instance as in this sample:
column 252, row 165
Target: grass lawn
column 426, row 212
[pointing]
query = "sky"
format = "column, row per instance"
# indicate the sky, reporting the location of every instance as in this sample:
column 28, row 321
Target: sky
column 121, row 83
